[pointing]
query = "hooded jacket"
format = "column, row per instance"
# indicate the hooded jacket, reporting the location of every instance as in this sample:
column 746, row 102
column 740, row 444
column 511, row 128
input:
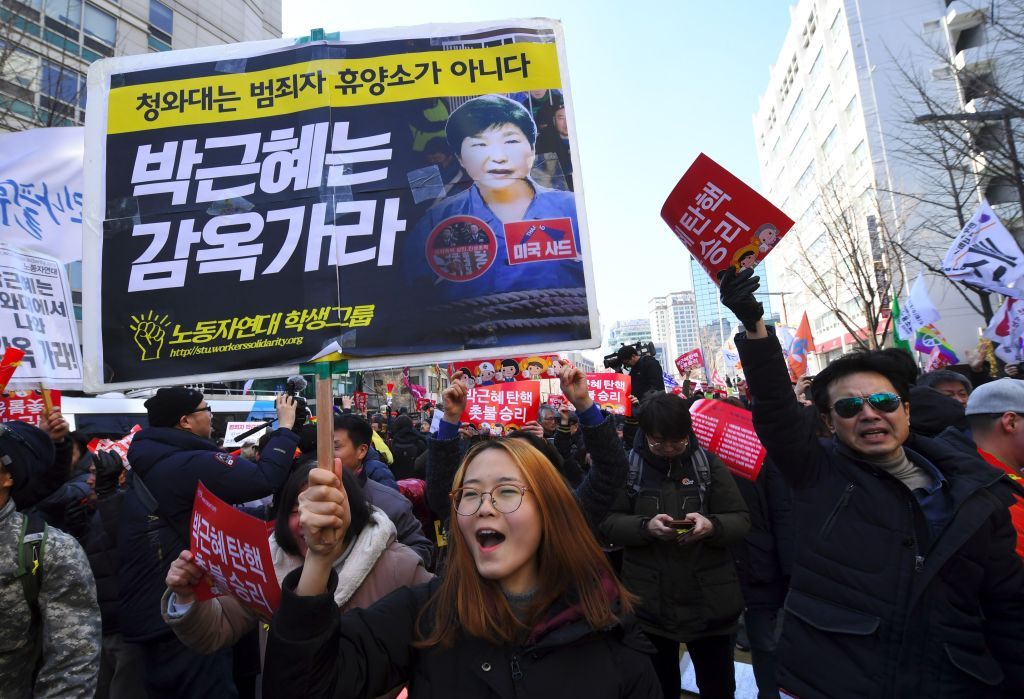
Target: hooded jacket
column 879, row 607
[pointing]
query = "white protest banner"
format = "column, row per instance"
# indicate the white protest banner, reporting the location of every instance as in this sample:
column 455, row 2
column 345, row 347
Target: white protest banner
column 1006, row 330
column 37, row 317
column 41, row 190
column 918, row 310
column 985, row 254
column 234, row 429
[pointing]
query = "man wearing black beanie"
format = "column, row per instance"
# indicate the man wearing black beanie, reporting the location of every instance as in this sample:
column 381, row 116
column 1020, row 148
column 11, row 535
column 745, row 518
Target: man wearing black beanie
column 168, row 460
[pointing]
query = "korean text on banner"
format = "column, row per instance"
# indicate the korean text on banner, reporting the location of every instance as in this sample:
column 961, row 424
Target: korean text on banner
column 37, row 317
column 611, row 392
column 918, row 311
column 359, row 401
column 694, row 359
column 231, row 547
column 728, row 432
column 721, row 220
column 486, row 372
column 509, row 404
column 344, row 193
column 234, row 429
column 26, row 406
column 41, row 190
column 985, row 255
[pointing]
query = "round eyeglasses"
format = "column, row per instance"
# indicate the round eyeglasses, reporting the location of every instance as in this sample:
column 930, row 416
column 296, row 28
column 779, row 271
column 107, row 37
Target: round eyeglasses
column 505, row 499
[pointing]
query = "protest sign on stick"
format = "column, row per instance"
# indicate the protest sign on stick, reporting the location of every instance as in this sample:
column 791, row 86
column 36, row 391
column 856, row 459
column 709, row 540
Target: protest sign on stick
column 694, row 359
column 231, row 547
column 509, row 404
column 721, row 220
column 728, row 432
column 611, row 392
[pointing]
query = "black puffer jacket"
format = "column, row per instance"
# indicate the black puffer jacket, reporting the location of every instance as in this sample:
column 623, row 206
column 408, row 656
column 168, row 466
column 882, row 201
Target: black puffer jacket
column 874, row 609
column 646, row 376
column 406, row 446
column 101, row 546
column 313, row 651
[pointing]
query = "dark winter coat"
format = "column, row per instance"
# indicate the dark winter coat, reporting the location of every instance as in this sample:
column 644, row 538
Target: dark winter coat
column 315, row 652
column 101, row 547
column 399, row 510
column 379, row 472
column 406, row 445
column 687, row 591
column 646, row 376
column 932, row 412
column 876, row 608
column 172, row 462
column 573, row 452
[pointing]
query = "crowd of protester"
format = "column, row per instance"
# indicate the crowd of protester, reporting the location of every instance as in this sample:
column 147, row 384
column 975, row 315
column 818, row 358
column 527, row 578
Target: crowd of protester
column 877, row 554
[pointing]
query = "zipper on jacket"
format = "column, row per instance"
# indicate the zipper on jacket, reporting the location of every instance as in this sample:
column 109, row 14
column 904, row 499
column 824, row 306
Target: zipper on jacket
column 517, row 673
column 826, row 528
column 918, row 558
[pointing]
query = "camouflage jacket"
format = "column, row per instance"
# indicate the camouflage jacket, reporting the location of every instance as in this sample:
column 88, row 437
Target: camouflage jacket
column 70, row 633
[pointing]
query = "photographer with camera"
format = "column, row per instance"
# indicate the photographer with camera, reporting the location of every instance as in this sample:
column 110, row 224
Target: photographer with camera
column 645, row 371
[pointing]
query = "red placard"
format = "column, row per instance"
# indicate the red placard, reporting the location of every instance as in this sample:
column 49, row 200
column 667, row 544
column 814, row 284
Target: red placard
column 728, row 432
column 26, row 406
column 611, row 392
column 231, row 547
column 10, row 361
column 359, row 401
column 721, row 220
column 540, row 241
column 487, row 372
column 694, row 359
column 120, row 446
column 510, row 404
column 557, row 400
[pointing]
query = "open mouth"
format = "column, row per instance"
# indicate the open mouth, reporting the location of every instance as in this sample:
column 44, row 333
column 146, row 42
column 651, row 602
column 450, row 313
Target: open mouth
column 874, row 434
column 489, row 539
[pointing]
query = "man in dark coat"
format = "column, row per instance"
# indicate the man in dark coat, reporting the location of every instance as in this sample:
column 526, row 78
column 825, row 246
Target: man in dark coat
column 906, row 583
column 168, row 460
column 645, row 372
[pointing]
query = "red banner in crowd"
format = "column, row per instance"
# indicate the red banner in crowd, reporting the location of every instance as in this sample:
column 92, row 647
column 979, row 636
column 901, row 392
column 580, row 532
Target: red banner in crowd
column 487, row 372
column 509, row 404
column 26, row 406
column 694, row 359
column 611, row 392
column 231, row 547
column 728, row 432
column 721, row 220
column 120, row 446
column 557, row 400
column 359, row 401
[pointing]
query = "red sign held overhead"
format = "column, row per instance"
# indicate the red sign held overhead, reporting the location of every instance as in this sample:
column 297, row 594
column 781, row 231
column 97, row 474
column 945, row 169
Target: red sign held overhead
column 728, row 432
column 694, row 359
column 611, row 392
column 359, row 399
column 509, row 404
column 722, row 221
column 232, row 548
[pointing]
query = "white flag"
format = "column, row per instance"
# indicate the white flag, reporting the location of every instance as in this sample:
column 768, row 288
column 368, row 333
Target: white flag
column 785, row 335
column 985, row 255
column 918, row 311
column 1006, row 330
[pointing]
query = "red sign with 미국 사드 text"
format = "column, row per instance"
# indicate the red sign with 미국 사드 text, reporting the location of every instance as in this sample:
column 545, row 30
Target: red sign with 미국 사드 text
column 540, row 241
column 728, row 432
column 722, row 221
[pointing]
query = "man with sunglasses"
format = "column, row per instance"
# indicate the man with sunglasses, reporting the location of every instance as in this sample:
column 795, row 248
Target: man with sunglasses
column 168, row 460
column 906, row 583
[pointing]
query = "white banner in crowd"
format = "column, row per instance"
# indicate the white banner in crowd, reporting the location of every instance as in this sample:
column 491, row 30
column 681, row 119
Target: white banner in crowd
column 41, row 190
column 36, row 316
column 918, row 311
column 1006, row 330
column 985, row 255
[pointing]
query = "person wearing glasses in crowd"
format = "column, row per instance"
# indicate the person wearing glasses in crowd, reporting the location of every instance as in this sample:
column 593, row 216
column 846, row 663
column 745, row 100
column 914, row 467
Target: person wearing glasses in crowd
column 678, row 515
column 528, row 605
column 906, row 583
column 168, row 460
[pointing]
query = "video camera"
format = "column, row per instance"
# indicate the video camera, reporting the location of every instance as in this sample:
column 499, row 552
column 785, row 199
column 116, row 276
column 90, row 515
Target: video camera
column 295, row 386
column 644, row 349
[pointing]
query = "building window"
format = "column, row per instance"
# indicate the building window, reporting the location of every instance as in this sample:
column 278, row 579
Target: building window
column 825, row 102
column 829, row 144
column 100, row 26
column 68, row 12
column 850, row 113
column 860, row 154
column 1001, row 190
column 161, row 19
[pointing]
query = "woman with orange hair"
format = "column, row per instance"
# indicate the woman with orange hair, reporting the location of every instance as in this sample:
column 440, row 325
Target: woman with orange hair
column 528, row 605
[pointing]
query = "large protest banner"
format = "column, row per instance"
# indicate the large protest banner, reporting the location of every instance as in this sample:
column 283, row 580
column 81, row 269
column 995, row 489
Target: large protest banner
column 728, row 432
column 37, row 317
column 508, row 404
column 611, row 392
column 489, row 371
column 401, row 192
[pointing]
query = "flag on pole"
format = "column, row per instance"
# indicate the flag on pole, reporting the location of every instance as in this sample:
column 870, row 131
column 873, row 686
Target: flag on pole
column 938, row 358
column 669, row 381
column 985, row 255
column 897, row 341
column 918, row 311
column 1006, row 331
column 929, row 338
column 803, row 343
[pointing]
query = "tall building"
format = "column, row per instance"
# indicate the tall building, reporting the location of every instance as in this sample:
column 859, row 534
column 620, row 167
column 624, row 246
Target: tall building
column 830, row 130
column 628, row 332
column 46, row 46
column 674, row 325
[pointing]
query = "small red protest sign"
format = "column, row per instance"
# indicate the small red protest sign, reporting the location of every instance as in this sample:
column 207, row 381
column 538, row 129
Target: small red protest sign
column 359, row 399
column 26, row 406
column 728, row 432
column 694, row 359
column 231, row 547
column 119, row 446
column 510, row 404
column 557, row 400
column 540, row 241
column 10, row 361
column 721, row 220
column 611, row 392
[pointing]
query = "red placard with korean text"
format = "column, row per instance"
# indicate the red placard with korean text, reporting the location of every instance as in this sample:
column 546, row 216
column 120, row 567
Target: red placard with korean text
column 119, row 446
column 359, row 399
column 694, row 359
column 26, row 406
column 540, row 241
column 510, row 404
column 232, row 548
column 728, row 432
column 721, row 220
column 611, row 392
column 557, row 400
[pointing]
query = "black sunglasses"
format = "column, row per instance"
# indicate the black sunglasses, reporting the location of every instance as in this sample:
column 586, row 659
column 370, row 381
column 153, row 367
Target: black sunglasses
column 849, row 407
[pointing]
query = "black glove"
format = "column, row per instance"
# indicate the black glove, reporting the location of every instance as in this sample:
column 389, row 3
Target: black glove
column 76, row 519
column 108, row 471
column 737, row 294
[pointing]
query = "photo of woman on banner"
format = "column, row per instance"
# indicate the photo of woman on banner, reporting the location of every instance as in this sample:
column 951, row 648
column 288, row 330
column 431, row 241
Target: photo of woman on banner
column 501, row 260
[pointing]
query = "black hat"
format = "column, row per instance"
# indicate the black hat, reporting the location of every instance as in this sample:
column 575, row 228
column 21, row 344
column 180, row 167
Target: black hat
column 169, row 404
column 24, row 451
